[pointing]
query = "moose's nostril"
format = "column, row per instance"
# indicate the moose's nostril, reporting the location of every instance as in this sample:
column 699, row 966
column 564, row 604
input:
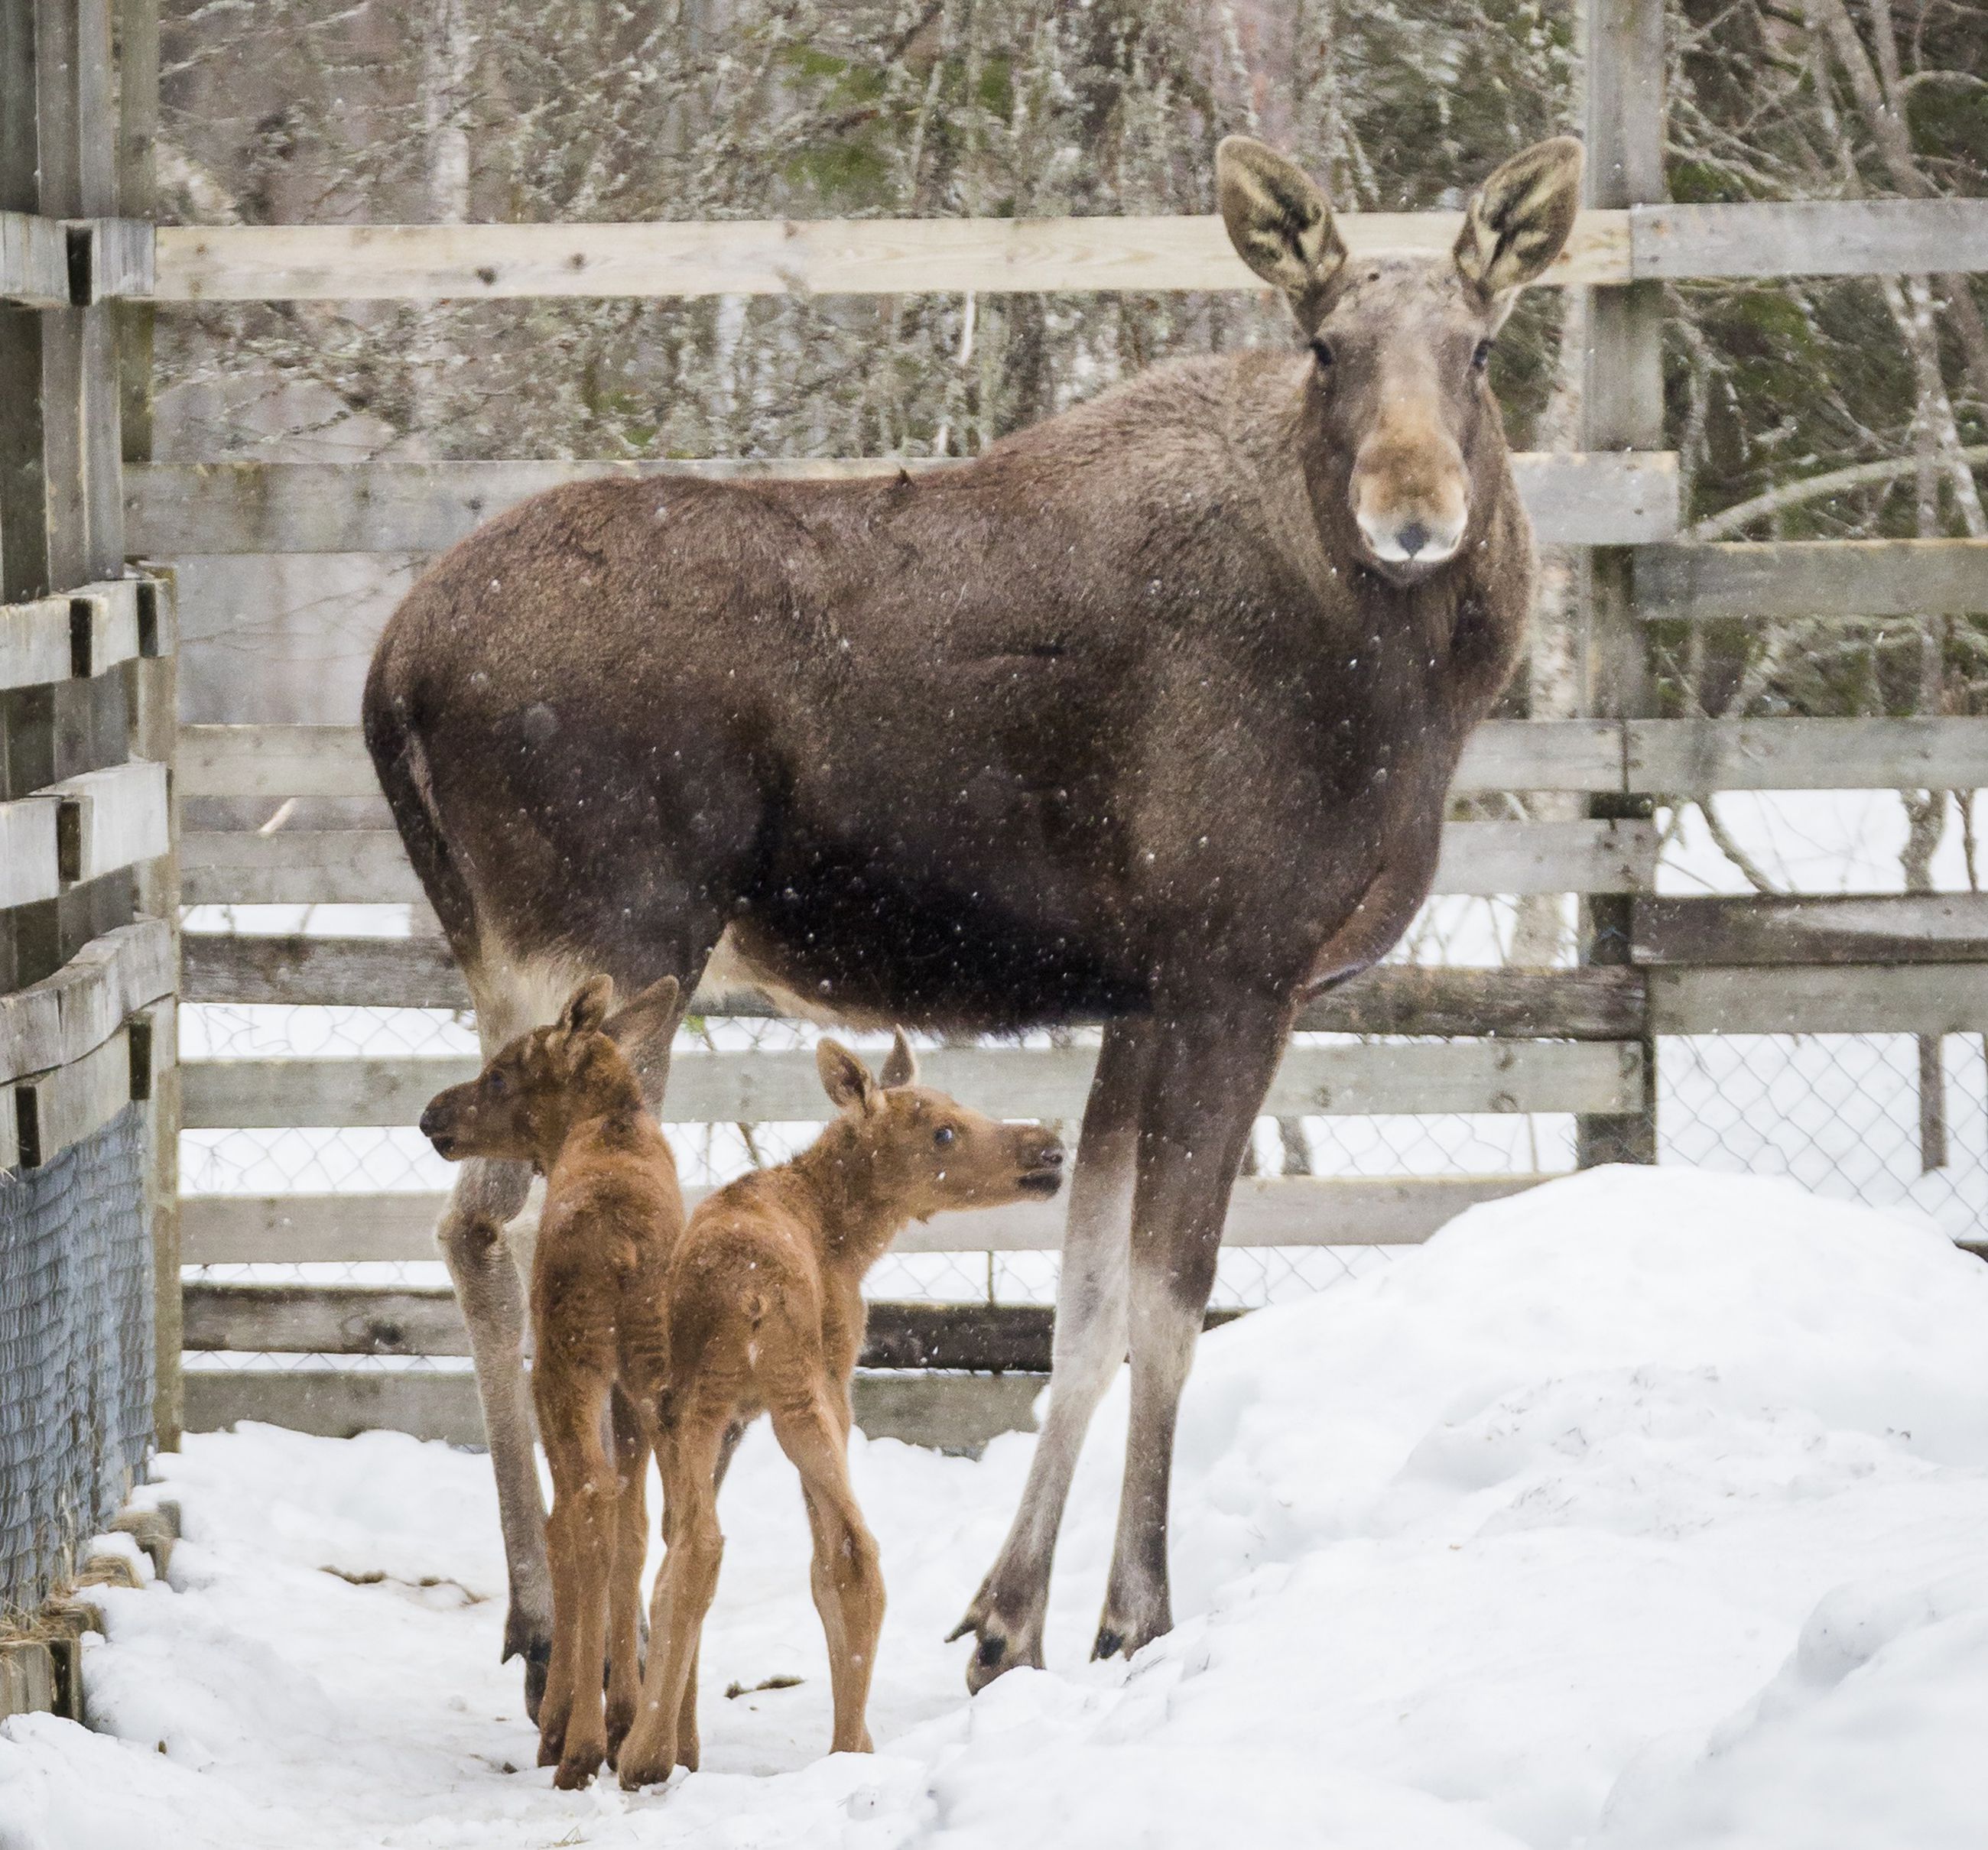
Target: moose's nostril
column 1412, row 537
column 1052, row 1157
column 428, row 1123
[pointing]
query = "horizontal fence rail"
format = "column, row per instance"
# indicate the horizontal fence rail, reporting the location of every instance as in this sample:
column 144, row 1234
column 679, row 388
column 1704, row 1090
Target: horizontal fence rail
column 1281, row 1211
column 784, row 1088
column 183, row 510
column 1829, row 581
column 365, row 866
column 908, row 256
column 1670, row 758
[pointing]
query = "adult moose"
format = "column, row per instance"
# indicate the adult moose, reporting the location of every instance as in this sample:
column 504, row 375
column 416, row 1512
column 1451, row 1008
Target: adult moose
column 1146, row 715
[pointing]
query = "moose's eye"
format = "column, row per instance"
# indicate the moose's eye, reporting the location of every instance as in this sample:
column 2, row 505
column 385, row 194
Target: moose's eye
column 1321, row 351
column 498, row 1084
column 1481, row 358
column 944, row 1135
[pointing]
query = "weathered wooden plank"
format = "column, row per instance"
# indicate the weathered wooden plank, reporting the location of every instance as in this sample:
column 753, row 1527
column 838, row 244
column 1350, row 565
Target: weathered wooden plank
column 1873, row 998
column 105, row 627
column 1667, row 757
column 1392, row 998
column 364, row 866
column 1809, row 237
column 30, row 866
column 1693, row 758
column 951, row 1411
column 1577, row 856
column 178, row 510
column 1009, row 1081
column 1828, row 580
column 280, row 761
column 56, row 1109
column 34, row 645
column 773, row 257
column 374, row 1320
column 1757, row 929
column 34, row 260
column 121, row 263
column 111, row 818
column 59, row 1020
column 275, row 761
column 1266, row 1211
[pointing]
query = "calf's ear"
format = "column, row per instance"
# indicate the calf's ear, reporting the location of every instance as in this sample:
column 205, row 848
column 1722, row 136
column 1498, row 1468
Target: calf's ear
column 1280, row 224
column 1518, row 220
column 643, row 1029
column 587, row 1008
column 844, row 1078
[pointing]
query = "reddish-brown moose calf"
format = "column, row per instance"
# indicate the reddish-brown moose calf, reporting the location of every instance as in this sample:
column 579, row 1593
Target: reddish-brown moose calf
column 565, row 1099
column 765, row 1310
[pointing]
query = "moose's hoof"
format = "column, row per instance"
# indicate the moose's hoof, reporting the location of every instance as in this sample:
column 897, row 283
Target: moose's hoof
column 537, row 1653
column 998, row 1649
column 650, row 1768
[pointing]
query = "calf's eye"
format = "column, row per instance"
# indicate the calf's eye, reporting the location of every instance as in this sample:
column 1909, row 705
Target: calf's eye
column 944, row 1135
column 1482, row 357
column 1321, row 351
column 498, row 1085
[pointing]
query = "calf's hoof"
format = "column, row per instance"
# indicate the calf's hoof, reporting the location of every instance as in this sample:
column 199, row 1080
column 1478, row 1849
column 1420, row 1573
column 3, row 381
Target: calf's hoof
column 576, row 1768
column 648, row 1766
column 1127, row 1635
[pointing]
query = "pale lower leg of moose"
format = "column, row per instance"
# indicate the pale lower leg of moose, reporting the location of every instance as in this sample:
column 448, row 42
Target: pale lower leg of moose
column 1089, row 1345
column 487, row 1196
column 1203, row 1098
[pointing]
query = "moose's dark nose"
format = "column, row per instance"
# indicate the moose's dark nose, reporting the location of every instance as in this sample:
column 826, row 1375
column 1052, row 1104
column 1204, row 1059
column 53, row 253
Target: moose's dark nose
column 429, row 1121
column 1412, row 537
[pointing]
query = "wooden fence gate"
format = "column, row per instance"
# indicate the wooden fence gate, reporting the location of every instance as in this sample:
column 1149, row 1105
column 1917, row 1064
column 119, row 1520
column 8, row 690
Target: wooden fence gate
column 1580, row 1041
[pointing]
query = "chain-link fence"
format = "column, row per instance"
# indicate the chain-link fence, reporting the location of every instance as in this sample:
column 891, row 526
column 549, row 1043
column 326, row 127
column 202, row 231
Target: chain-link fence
column 76, row 1351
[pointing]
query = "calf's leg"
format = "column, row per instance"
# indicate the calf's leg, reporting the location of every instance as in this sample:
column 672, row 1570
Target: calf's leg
column 694, row 1547
column 1007, row 1613
column 586, row 1502
column 847, row 1580
column 624, row 1593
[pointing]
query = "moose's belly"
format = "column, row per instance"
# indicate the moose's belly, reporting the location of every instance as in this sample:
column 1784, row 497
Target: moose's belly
column 870, row 944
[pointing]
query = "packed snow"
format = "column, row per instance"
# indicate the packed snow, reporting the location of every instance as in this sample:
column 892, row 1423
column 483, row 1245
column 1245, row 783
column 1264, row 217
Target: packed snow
column 1647, row 1509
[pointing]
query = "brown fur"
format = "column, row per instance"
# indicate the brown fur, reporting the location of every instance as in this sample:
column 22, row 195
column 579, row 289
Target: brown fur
column 1149, row 714
column 565, row 1099
column 765, row 1312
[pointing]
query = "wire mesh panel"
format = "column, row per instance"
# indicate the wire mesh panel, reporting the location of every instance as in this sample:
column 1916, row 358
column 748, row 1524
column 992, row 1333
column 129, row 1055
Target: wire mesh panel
column 75, row 1350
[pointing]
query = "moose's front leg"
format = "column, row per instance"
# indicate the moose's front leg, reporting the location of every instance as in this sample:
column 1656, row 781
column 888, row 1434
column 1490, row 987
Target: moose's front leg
column 488, row 1196
column 1205, row 1089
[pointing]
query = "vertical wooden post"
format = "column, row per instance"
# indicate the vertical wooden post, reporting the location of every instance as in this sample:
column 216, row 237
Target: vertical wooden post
column 155, row 688
column 1622, row 408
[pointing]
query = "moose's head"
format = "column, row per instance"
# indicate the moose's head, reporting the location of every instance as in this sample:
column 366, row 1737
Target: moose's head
column 1400, row 344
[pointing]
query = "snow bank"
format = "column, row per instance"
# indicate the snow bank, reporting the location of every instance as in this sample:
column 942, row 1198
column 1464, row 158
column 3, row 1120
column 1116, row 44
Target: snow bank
column 1643, row 1510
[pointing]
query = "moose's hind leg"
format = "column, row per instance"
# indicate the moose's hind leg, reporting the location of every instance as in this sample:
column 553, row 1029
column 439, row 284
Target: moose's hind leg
column 487, row 1197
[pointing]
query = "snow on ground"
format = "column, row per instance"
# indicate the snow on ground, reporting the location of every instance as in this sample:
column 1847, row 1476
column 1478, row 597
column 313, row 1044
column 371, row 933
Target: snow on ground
column 1645, row 1510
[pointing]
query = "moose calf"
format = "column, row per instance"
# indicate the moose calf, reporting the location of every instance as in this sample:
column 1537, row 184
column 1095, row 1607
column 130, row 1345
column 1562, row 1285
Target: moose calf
column 567, row 1099
column 764, row 1311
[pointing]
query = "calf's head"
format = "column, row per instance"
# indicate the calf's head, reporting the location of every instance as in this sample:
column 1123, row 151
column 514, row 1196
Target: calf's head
column 926, row 1152
column 537, row 1088
column 1403, row 420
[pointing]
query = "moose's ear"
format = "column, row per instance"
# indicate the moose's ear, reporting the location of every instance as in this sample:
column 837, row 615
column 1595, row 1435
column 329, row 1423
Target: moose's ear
column 1518, row 220
column 643, row 1028
column 587, row 1008
column 1280, row 224
column 844, row 1078
column 901, row 1065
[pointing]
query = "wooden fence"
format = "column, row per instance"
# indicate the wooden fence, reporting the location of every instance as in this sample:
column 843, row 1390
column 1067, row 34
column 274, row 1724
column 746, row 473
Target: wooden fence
column 1580, row 1041
column 89, row 904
